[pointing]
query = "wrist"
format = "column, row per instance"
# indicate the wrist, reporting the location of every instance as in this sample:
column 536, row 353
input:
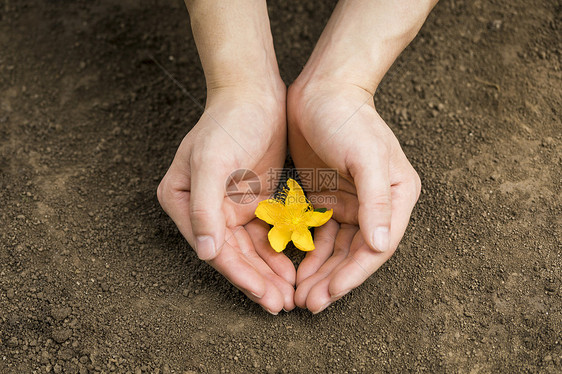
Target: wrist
column 256, row 69
column 267, row 84
column 267, row 98
column 362, row 40
column 234, row 42
column 314, row 105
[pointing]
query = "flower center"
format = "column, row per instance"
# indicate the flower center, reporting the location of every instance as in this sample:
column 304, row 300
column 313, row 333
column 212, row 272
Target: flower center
column 296, row 220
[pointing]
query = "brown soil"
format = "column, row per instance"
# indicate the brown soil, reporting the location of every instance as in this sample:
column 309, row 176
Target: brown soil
column 95, row 278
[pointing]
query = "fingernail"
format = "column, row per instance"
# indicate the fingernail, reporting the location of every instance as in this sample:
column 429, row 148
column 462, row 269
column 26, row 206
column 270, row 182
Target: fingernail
column 205, row 247
column 269, row 311
column 381, row 239
column 256, row 295
column 324, row 307
column 340, row 295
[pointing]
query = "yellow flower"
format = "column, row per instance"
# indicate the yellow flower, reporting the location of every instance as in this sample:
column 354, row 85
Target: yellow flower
column 291, row 218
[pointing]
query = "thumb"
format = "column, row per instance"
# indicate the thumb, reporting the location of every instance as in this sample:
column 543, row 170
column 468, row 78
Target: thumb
column 205, row 209
column 373, row 190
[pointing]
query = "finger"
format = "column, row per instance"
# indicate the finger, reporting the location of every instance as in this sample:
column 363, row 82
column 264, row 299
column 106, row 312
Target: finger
column 173, row 195
column 236, row 268
column 319, row 297
column 205, row 207
column 363, row 262
column 341, row 249
column 277, row 261
column 343, row 203
column 373, row 191
column 324, row 240
column 282, row 293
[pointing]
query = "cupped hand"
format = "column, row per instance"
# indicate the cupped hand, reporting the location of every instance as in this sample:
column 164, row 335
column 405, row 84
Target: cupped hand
column 238, row 130
column 335, row 125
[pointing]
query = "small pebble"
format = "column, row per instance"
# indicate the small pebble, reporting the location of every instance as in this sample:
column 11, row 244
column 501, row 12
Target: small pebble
column 495, row 24
column 62, row 335
column 550, row 288
column 13, row 342
column 60, row 313
column 65, row 354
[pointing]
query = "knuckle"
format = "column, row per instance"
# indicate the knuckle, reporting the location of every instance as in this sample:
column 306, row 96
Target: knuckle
column 204, row 151
column 209, row 157
column 167, row 189
column 382, row 149
column 199, row 214
column 162, row 193
column 417, row 185
column 199, row 158
column 380, row 202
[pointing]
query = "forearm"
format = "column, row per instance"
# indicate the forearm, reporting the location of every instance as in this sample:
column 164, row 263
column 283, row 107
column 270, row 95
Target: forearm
column 234, row 43
column 363, row 38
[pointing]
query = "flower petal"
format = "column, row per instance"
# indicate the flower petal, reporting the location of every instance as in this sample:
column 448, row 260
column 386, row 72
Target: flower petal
column 302, row 238
column 270, row 211
column 315, row 219
column 295, row 194
column 278, row 238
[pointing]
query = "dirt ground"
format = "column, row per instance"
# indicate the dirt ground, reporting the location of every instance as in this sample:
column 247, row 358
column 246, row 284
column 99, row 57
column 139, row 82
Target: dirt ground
column 95, row 278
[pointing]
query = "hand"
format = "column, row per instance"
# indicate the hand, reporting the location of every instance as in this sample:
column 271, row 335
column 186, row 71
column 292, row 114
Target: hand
column 240, row 129
column 335, row 125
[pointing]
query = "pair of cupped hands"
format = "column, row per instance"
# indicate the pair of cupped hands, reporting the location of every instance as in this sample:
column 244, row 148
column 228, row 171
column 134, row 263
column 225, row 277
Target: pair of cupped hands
column 325, row 124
